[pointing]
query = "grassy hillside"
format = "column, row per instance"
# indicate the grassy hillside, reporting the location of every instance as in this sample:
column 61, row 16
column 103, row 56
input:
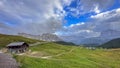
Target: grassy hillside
column 59, row 56
column 115, row 43
column 6, row 39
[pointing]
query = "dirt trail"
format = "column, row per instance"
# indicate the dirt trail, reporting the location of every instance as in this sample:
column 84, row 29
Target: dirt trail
column 65, row 52
column 48, row 57
column 34, row 44
column 6, row 61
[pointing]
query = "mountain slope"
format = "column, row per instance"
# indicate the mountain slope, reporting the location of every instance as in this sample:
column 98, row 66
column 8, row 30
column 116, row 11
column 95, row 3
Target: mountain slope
column 6, row 39
column 115, row 43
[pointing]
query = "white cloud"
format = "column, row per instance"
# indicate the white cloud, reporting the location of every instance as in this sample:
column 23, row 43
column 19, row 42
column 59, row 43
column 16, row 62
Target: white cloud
column 37, row 12
column 67, row 2
column 45, row 16
column 107, row 20
column 96, row 9
column 118, row 10
column 105, row 26
column 87, row 6
column 78, row 24
column 101, row 4
column 39, row 16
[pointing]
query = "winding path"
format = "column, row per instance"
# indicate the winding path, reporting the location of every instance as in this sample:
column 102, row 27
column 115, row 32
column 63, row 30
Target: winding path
column 48, row 57
column 6, row 61
column 65, row 52
column 37, row 43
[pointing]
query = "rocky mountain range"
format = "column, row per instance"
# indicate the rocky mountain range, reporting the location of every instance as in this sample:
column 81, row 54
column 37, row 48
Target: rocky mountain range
column 44, row 37
column 104, row 37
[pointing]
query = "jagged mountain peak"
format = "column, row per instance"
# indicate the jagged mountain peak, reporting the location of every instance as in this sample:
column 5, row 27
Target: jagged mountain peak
column 44, row 37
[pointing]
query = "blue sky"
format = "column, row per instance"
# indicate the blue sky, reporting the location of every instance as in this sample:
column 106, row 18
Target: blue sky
column 86, row 16
column 73, row 12
column 74, row 18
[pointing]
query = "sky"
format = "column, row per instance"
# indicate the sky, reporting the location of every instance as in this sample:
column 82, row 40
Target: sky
column 74, row 18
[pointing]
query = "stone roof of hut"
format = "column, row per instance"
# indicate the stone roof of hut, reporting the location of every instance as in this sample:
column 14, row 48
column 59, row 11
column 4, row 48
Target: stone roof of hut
column 16, row 44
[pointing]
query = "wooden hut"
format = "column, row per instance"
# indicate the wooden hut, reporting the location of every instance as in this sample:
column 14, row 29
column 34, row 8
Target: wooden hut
column 17, row 47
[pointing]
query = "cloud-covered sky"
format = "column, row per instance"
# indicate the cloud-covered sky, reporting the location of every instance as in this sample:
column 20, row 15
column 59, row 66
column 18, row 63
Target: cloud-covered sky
column 32, row 16
column 74, row 18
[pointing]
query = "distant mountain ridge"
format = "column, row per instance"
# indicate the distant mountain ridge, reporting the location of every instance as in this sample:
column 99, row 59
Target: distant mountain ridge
column 104, row 37
column 115, row 43
column 44, row 37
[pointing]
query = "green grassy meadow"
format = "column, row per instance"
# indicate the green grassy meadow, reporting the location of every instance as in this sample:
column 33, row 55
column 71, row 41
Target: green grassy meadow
column 55, row 55
column 79, row 57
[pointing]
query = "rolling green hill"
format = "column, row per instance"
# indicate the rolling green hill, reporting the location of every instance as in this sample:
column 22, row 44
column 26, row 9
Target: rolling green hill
column 115, row 43
column 53, row 55
column 6, row 39
column 57, row 55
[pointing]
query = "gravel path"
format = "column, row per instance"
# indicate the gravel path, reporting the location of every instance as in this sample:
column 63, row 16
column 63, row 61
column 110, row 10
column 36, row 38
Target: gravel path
column 6, row 61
